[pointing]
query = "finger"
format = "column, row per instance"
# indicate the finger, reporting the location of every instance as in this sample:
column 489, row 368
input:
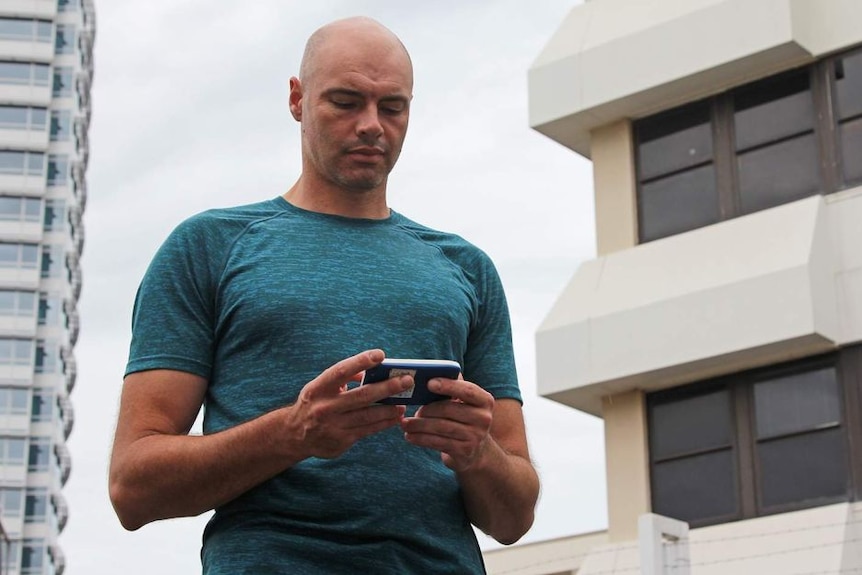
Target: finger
column 462, row 390
column 372, row 416
column 448, row 428
column 365, row 395
column 340, row 374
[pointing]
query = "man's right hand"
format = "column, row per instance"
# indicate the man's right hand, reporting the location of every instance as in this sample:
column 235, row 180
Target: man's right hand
column 327, row 418
column 159, row 471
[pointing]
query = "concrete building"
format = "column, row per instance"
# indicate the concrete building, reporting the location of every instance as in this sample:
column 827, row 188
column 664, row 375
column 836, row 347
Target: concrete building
column 46, row 70
column 718, row 332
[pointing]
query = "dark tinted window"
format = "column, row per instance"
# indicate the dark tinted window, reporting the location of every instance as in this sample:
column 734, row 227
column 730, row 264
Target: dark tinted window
column 848, row 86
column 695, row 488
column 797, row 402
column 674, row 140
column 678, row 203
column 800, row 445
column 773, row 109
column 803, row 467
column 691, row 424
column 757, row 442
column 691, row 446
column 760, row 145
column 778, row 174
column 851, row 150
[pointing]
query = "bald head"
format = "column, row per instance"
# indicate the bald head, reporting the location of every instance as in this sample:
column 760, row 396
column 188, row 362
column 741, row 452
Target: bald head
column 357, row 32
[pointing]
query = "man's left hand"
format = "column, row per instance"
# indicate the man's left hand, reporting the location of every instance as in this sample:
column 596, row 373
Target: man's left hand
column 459, row 428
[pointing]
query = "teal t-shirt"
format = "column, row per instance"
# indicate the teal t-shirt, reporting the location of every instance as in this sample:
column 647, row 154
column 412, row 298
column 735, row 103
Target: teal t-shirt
column 260, row 299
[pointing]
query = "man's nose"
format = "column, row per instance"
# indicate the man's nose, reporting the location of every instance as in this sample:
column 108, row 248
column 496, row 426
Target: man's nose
column 368, row 125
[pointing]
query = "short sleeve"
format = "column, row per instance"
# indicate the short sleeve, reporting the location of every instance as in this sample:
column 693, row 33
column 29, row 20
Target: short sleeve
column 173, row 315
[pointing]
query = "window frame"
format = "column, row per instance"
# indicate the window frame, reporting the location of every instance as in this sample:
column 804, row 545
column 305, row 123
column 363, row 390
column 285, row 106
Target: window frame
column 847, row 363
column 831, row 173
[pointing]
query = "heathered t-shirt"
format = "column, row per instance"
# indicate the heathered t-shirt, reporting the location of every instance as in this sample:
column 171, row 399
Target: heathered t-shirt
column 260, row 299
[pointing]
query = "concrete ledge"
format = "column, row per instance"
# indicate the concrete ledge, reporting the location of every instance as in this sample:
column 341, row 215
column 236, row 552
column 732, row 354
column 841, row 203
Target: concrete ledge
column 619, row 59
column 736, row 295
column 563, row 555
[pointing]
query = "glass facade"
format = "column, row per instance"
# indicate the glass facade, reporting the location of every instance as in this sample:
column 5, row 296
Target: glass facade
column 44, row 118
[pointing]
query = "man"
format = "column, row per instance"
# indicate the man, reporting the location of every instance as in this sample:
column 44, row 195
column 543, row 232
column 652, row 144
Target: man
column 242, row 308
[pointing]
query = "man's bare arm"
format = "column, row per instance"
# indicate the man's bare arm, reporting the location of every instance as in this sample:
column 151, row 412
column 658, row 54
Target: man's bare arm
column 485, row 443
column 158, row 471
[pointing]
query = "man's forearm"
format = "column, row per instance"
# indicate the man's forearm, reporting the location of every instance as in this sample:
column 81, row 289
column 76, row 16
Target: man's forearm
column 159, row 471
column 161, row 476
column 500, row 493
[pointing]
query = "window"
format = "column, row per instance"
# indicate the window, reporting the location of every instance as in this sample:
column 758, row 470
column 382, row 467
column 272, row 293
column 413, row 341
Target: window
column 16, row 351
column 19, row 209
column 61, row 125
column 67, row 5
column 22, row 256
column 52, row 261
column 64, row 82
column 42, row 409
column 65, row 39
column 17, row 303
column 12, row 450
column 14, row 400
column 55, row 215
column 58, row 169
column 47, row 356
column 848, row 106
column 40, row 454
column 676, row 172
column 692, row 447
column 22, row 163
column 25, row 30
column 51, row 310
column 11, row 501
column 36, row 505
column 799, row 443
column 32, row 556
column 24, row 73
column 757, row 146
column 756, row 443
column 22, row 118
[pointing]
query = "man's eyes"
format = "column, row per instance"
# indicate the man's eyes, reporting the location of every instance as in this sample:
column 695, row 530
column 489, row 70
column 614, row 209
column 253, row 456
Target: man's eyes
column 385, row 107
column 393, row 107
column 344, row 104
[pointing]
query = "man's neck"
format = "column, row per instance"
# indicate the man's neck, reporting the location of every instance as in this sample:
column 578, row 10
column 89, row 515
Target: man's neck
column 329, row 199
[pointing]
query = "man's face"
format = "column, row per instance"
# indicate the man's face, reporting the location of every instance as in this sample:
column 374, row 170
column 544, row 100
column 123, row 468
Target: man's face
column 355, row 105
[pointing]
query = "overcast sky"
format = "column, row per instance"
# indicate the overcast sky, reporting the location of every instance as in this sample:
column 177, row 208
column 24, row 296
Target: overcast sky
column 190, row 112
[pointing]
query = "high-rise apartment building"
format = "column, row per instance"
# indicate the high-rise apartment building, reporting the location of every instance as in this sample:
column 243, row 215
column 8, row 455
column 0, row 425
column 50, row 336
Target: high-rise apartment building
column 46, row 71
column 718, row 331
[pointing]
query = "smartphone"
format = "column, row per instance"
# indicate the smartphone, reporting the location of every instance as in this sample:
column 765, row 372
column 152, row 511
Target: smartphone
column 421, row 369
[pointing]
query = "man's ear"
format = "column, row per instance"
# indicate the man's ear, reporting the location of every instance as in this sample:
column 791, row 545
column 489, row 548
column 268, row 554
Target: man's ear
column 295, row 99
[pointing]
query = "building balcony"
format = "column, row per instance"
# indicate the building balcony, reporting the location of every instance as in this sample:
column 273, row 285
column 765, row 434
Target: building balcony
column 30, row 232
column 11, row 278
column 24, row 185
column 71, row 367
column 18, row 326
column 68, row 412
column 15, row 423
column 32, row 140
column 760, row 289
column 612, row 60
column 819, row 540
column 41, row 9
column 26, row 95
column 562, row 556
column 28, row 51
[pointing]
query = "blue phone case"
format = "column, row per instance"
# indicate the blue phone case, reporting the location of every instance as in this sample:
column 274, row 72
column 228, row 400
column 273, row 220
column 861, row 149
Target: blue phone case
column 421, row 369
